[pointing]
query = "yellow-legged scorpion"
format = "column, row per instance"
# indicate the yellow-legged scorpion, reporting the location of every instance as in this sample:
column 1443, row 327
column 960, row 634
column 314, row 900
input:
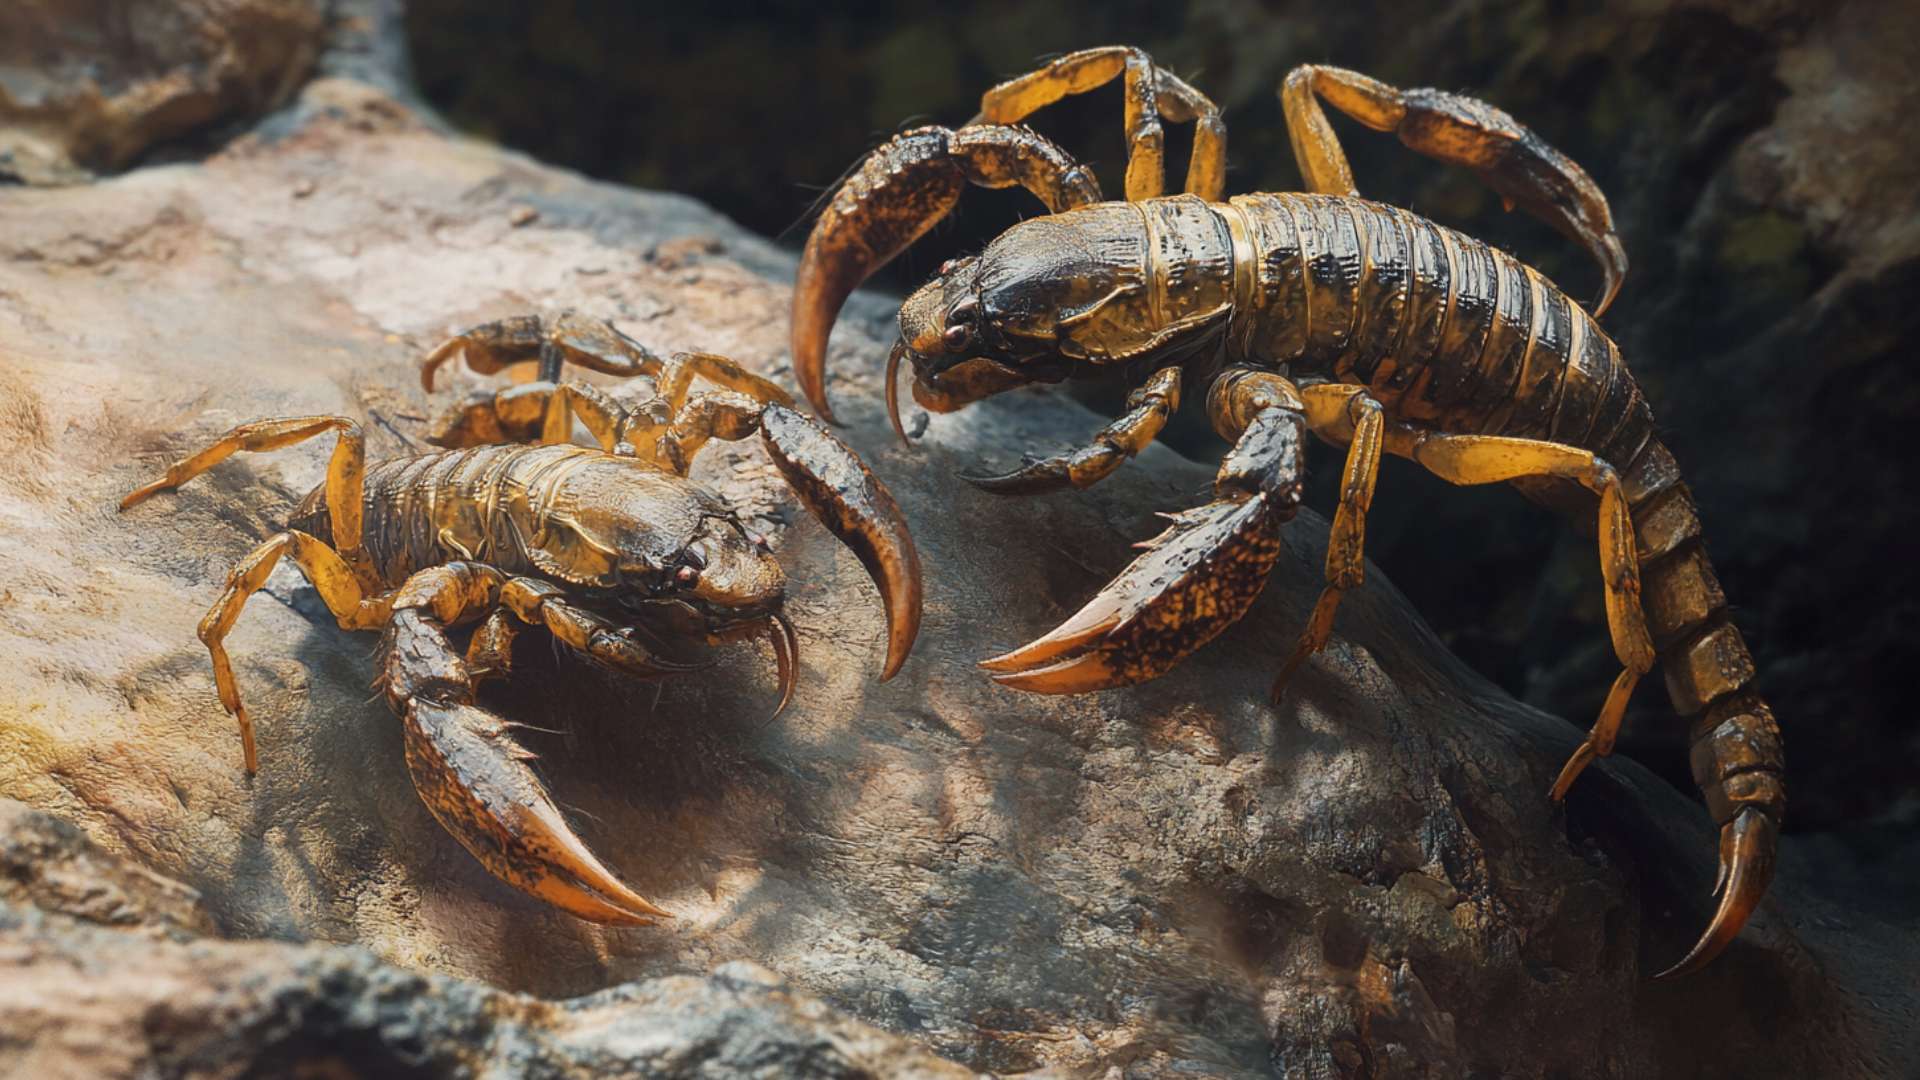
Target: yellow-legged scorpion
column 1320, row 312
column 613, row 551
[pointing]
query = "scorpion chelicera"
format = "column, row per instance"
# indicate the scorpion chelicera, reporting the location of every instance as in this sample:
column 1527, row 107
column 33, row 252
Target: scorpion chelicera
column 1319, row 312
column 612, row 550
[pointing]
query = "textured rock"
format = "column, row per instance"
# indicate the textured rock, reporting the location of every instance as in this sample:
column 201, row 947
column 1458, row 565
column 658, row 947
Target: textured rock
column 77, row 1000
column 90, row 84
column 50, row 864
column 1366, row 881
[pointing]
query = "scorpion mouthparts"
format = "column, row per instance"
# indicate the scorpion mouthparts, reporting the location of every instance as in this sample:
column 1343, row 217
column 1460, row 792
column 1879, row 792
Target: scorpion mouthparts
column 893, row 391
column 786, row 657
column 1746, row 869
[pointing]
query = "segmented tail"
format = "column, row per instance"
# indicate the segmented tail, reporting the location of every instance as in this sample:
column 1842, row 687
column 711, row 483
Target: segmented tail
column 1736, row 753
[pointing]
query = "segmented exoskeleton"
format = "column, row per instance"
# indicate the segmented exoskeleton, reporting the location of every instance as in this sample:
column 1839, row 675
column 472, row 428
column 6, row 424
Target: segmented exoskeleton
column 1362, row 323
column 613, row 551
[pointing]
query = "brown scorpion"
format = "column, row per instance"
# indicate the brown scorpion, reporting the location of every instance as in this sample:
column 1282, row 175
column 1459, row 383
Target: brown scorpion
column 613, row 551
column 1367, row 325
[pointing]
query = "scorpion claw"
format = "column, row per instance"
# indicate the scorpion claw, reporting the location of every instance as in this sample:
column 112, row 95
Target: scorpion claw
column 856, row 507
column 897, row 193
column 1746, row 868
column 476, row 781
column 1192, row 581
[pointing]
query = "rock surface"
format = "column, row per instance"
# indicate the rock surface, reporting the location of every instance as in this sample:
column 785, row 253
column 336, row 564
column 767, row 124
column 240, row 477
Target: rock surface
column 1173, row 878
column 90, row 84
column 78, row 1000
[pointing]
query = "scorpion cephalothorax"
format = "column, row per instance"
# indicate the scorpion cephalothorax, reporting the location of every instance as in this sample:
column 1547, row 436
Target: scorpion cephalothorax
column 1319, row 312
column 613, row 551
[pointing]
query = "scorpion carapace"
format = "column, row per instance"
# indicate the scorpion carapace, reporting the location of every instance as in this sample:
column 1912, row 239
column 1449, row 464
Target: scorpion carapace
column 1319, row 312
column 612, row 551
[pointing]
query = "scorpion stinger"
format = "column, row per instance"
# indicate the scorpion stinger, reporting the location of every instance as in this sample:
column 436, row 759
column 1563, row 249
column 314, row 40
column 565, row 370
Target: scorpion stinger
column 899, row 192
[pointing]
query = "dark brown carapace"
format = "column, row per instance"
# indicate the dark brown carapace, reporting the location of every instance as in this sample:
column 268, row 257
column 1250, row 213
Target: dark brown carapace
column 612, row 551
column 1364, row 324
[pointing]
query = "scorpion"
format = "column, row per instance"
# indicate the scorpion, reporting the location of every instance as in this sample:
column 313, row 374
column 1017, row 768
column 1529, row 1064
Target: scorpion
column 1316, row 312
column 612, row 550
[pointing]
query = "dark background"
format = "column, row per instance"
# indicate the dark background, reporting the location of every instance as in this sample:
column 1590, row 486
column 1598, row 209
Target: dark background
column 1759, row 163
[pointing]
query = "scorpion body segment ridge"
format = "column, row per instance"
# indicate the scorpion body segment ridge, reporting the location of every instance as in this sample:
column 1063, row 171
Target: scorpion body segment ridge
column 612, row 551
column 1315, row 312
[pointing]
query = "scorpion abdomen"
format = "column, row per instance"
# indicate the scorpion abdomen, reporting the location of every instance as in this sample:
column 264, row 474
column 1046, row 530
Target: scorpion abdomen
column 433, row 508
column 1445, row 330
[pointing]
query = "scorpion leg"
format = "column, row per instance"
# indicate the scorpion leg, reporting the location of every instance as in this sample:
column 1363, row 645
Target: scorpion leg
column 343, row 577
column 471, row 773
column 1490, row 459
column 1516, row 163
column 614, row 425
column 721, row 371
column 1340, row 414
column 541, row 603
column 570, row 337
column 899, row 192
column 331, row 578
column 1148, row 409
column 1201, row 574
column 534, row 412
column 1152, row 94
column 725, row 414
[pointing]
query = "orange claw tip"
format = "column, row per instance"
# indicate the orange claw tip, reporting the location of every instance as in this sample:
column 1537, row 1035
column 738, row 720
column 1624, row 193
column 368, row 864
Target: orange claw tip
column 585, row 904
column 1077, row 675
column 476, row 782
column 544, row 831
column 1088, row 623
column 1746, row 869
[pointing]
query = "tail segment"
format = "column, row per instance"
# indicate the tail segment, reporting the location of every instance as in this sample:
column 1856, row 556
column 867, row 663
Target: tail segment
column 1737, row 757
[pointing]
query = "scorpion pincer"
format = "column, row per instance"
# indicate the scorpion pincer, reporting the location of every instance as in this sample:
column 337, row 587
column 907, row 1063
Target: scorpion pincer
column 612, row 551
column 1318, row 312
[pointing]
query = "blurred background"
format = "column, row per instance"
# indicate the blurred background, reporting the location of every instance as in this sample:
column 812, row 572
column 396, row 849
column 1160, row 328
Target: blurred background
column 1759, row 161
